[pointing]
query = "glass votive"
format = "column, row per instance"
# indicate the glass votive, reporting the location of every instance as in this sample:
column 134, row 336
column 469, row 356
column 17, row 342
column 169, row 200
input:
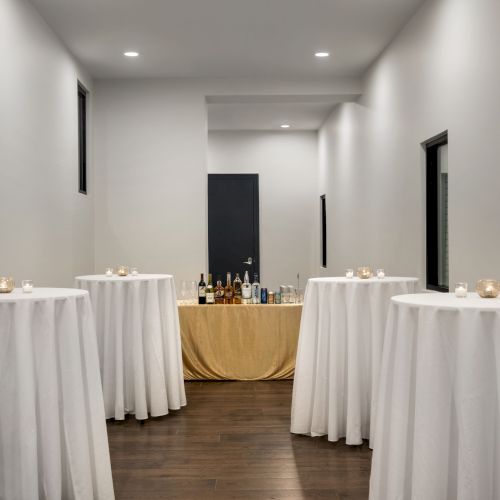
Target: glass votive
column 349, row 273
column 488, row 289
column 109, row 271
column 461, row 290
column 27, row 286
column 380, row 274
column 291, row 294
column 299, row 295
column 364, row 272
column 134, row 271
column 6, row 284
column 122, row 271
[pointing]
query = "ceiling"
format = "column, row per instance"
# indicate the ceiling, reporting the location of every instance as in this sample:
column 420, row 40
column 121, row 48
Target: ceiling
column 226, row 38
column 270, row 112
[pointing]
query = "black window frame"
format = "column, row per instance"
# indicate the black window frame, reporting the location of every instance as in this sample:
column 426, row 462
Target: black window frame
column 432, row 211
column 82, row 138
column 323, row 231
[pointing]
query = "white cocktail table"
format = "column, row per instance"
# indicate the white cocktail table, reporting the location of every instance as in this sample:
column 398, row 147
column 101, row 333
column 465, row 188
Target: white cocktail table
column 437, row 434
column 339, row 355
column 139, row 343
column 53, row 439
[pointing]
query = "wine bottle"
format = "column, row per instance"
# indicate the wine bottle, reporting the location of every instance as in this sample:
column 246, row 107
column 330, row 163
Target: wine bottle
column 246, row 289
column 237, row 289
column 228, row 291
column 255, row 289
column 202, row 291
column 219, row 292
column 210, row 292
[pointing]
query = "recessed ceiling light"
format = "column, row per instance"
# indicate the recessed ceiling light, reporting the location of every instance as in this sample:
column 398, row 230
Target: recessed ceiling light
column 131, row 53
column 322, row 54
column 285, row 125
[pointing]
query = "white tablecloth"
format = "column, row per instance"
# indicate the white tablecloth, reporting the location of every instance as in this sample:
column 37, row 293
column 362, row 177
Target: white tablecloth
column 339, row 355
column 53, row 440
column 139, row 343
column 437, row 434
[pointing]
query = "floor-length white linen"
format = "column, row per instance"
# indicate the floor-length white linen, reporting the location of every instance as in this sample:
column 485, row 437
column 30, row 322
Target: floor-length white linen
column 437, row 434
column 339, row 355
column 139, row 341
column 53, row 439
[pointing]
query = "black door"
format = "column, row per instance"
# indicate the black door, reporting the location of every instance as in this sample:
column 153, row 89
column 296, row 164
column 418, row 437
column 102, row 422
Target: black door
column 233, row 224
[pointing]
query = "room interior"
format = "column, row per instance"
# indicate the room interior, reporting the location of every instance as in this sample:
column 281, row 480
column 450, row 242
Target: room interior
column 370, row 130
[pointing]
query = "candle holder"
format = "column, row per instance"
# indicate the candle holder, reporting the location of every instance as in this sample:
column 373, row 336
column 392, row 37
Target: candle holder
column 27, row 286
column 122, row 271
column 461, row 290
column 6, row 284
column 349, row 273
column 109, row 271
column 380, row 274
column 364, row 273
column 488, row 289
column 134, row 271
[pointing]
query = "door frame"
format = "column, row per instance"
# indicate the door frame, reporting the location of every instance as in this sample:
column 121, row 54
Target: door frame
column 256, row 221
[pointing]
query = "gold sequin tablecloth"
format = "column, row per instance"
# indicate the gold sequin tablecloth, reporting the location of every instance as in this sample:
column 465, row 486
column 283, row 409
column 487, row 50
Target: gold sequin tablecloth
column 239, row 342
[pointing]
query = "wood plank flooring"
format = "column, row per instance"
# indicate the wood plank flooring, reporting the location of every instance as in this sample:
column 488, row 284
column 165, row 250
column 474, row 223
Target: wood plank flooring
column 232, row 440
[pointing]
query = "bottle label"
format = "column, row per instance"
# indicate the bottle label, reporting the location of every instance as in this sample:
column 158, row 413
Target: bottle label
column 202, row 291
column 210, row 298
column 247, row 292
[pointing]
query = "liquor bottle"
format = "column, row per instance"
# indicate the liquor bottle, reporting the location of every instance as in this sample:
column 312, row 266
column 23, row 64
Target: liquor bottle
column 219, row 292
column 237, row 289
column 246, row 290
column 202, row 291
column 228, row 291
column 255, row 289
column 210, row 292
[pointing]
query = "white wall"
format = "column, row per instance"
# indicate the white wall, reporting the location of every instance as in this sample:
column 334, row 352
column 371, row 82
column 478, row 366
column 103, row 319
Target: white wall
column 46, row 225
column 150, row 141
column 441, row 72
column 150, row 155
column 287, row 166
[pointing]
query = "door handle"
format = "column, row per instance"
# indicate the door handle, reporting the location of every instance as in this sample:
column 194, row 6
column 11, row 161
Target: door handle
column 248, row 262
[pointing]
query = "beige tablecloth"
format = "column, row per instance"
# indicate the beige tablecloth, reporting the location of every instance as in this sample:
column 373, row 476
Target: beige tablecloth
column 239, row 342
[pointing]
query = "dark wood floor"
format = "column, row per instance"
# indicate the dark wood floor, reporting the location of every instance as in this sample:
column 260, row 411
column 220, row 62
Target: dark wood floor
column 232, row 441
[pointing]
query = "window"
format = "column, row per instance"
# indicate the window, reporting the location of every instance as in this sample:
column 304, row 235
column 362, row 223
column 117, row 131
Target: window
column 82, row 138
column 437, row 213
column 323, row 231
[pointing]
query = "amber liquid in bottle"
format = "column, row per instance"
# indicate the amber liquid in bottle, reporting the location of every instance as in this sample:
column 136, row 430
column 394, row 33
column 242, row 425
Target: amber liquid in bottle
column 237, row 289
column 228, row 291
column 219, row 292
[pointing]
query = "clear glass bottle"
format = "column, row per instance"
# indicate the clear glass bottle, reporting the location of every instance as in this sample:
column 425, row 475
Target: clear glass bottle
column 219, row 292
column 228, row 291
column 210, row 292
column 202, row 291
column 246, row 289
column 255, row 289
column 237, row 289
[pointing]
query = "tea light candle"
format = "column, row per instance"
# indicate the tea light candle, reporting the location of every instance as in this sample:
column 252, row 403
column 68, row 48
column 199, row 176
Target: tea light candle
column 380, row 274
column 461, row 290
column 134, row 272
column 27, row 286
column 109, row 271
column 488, row 289
column 349, row 273
column 6, row 284
column 364, row 273
column 122, row 271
